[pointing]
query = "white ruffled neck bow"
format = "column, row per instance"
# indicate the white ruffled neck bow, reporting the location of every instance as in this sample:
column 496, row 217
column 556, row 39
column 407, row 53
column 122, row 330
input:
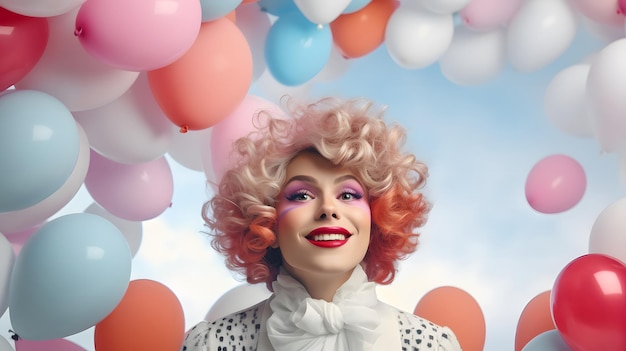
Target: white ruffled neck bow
column 299, row 322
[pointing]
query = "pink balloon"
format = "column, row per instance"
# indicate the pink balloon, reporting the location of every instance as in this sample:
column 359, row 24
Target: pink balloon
column 138, row 35
column 46, row 345
column 555, row 184
column 489, row 14
column 602, row 11
column 239, row 123
column 135, row 192
column 20, row 238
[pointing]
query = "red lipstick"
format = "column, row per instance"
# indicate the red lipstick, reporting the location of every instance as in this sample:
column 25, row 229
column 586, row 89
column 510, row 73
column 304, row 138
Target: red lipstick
column 328, row 237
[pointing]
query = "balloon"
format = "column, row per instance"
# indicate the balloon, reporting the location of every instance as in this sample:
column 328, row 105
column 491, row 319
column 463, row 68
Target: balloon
column 444, row 7
column 187, row 148
column 605, row 32
column 132, row 231
column 71, row 274
column 474, row 57
column 605, row 89
column 296, row 49
column 273, row 90
column 237, row 299
column 25, row 38
column 321, row 11
column 539, row 33
column 46, row 345
column 212, row 10
column 27, row 218
column 536, row 318
column 565, row 102
column 603, row 11
column 4, row 345
column 131, row 129
column 67, row 72
column 142, row 38
column 249, row 114
column 416, row 38
column 7, row 260
column 608, row 233
column 40, row 8
column 555, row 184
column 589, row 303
column 547, row 341
column 135, row 192
column 149, row 317
column 254, row 25
column 209, row 81
column 489, row 14
column 358, row 33
column 277, row 7
column 457, row 309
column 356, row 5
column 40, row 145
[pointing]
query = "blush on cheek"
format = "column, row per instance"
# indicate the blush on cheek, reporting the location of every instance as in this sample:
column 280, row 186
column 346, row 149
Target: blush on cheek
column 363, row 204
column 283, row 210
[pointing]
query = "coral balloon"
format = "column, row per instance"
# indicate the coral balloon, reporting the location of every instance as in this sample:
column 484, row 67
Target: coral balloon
column 535, row 319
column 149, row 317
column 457, row 309
column 359, row 33
column 555, row 184
column 208, row 81
column 25, row 38
column 589, row 303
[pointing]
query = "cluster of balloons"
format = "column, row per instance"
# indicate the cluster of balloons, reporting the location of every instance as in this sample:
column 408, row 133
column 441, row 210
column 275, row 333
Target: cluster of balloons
column 585, row 308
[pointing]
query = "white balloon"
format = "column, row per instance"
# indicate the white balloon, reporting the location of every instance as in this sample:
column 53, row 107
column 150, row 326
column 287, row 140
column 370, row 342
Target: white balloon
column 539, row 33
column 186, row 148
column 336, row 66
column 254, row 25
column 7, row 260
column 606, row 92
column 608, row 233
column 40, row 8
column 273, row 90
column 549, row 340
column 16, row 221
column 132, row 230
column 565, row 102
column 444, row 7
column 67, row 72
column 131, row 129
column 474, row 57
column 4, row 345
column 321, row 11
column 237, row 299
column 416, row 38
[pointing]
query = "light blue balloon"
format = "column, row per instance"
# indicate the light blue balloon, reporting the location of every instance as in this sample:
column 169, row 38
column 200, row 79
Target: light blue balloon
column 297, row 49
column 277, row 7
column 214, row 9
column 69, row 276
column 356, row 5
column 547, row 341
column 39, row 144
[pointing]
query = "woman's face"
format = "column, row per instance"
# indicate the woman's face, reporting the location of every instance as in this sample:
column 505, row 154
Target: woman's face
column 324, row 219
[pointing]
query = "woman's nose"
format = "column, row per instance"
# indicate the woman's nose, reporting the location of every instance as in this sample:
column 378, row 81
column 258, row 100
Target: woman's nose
column 327, row 209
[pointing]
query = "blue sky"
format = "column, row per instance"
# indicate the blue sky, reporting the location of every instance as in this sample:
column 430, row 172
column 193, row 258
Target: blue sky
column 480, row 142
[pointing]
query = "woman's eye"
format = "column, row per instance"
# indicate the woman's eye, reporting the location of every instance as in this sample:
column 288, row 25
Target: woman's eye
column 300, row 196
column 349, row 196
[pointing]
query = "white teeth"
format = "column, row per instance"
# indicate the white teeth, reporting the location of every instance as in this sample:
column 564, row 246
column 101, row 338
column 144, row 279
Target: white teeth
column 329, row 237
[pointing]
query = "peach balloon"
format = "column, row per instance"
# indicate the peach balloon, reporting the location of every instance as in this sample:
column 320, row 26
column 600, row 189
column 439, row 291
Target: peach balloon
column 209, row 81
column 455, row 308
column 359, row 33
column 535, row 319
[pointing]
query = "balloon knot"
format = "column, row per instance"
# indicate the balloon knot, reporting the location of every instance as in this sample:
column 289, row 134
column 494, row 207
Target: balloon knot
column 78, row 31
column 14, row 335
column 184, row 129
column 170, row 205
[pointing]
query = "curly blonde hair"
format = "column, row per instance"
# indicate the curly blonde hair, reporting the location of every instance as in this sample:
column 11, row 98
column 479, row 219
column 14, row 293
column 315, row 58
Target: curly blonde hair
column 242, row 215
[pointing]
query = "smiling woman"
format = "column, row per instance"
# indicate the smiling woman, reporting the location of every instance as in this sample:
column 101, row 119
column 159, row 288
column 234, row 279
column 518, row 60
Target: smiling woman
column 320, row 207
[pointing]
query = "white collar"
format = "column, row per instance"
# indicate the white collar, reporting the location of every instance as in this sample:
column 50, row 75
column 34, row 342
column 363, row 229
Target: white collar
column 299, row 322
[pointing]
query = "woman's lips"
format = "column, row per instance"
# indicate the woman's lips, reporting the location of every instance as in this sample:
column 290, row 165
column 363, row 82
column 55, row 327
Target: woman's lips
column 328, row 237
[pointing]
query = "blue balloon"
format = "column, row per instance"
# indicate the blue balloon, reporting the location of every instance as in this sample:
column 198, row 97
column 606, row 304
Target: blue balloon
column 277, row 7
column 356, row 5
column 214, row 9
column 69, row 276
column 547, row 341
column 39, row 144
column 297, row 49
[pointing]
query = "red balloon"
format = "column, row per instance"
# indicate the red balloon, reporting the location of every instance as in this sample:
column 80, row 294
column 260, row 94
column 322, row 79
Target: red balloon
column 589, row 303
column 22, row 42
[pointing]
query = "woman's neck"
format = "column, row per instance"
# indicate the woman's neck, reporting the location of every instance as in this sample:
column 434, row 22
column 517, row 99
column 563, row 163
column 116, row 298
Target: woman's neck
column 322, row 286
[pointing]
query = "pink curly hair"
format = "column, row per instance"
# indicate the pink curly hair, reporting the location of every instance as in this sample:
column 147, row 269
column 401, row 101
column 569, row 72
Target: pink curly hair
column 242, row 218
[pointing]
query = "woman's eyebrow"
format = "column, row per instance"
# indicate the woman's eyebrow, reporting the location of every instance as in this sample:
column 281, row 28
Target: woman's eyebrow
column 346, row 177
column 304, row 178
